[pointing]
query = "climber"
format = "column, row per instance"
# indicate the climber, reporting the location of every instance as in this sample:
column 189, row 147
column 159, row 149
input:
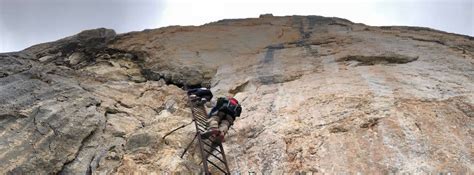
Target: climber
column 221, row 117
column 202, row 94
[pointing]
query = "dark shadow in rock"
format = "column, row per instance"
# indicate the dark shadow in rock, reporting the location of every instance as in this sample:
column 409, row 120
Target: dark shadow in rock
column 338, row 129
column 278, row 78
column 370, row 123
column 389, row 58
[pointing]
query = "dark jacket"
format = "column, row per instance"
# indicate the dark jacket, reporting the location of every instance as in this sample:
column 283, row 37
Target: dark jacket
column 201, row 92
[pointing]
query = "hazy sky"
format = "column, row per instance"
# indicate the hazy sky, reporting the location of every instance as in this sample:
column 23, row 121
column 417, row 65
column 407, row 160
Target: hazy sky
column 27, row 22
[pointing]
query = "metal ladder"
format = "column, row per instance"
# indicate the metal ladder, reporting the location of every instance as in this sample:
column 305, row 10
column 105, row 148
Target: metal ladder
column 212, row 153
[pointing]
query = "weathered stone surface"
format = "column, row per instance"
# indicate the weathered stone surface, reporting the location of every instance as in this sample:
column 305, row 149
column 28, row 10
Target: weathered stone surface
column 72, row 50
column 45, row 118
column 319, row 95
column 46, row 58
column 76, row 58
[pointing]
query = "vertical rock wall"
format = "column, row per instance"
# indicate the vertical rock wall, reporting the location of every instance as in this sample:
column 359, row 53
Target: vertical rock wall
column 319, row 95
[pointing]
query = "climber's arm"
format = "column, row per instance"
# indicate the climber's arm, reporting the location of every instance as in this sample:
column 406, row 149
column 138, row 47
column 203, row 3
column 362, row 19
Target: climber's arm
column 213, row 110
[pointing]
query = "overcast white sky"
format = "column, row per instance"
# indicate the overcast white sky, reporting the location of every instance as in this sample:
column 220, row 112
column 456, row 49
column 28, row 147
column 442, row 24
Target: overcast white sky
column 27, row 22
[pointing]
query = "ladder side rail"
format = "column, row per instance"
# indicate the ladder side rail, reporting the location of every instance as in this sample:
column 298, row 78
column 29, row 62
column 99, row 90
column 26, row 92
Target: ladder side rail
column 225, row 159
column 205, row 166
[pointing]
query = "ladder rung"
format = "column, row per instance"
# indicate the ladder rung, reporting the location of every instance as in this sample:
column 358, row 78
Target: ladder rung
column 202, row 116
column 213, row 148
column 200, row 120
column 201, row 130
column 201, row 125
column 198, row 111
column 196, row 108
column 203, row 141
column 210, row 153
column 216, row 166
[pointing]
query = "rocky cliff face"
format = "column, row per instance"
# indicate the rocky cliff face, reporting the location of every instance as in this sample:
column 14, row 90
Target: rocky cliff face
column 318, row 94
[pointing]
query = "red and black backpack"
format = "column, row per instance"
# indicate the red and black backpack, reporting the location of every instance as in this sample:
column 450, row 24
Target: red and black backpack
column 229, row 105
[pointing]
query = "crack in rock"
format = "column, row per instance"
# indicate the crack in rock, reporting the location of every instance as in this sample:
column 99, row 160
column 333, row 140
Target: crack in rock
column 389, row 58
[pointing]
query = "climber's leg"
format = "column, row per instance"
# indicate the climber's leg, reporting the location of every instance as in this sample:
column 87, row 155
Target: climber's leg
column 213, row 125
column 213, row 122
column 224, row 127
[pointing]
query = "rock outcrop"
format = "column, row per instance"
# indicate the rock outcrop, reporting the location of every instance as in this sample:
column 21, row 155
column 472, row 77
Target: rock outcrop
column 319, row 95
